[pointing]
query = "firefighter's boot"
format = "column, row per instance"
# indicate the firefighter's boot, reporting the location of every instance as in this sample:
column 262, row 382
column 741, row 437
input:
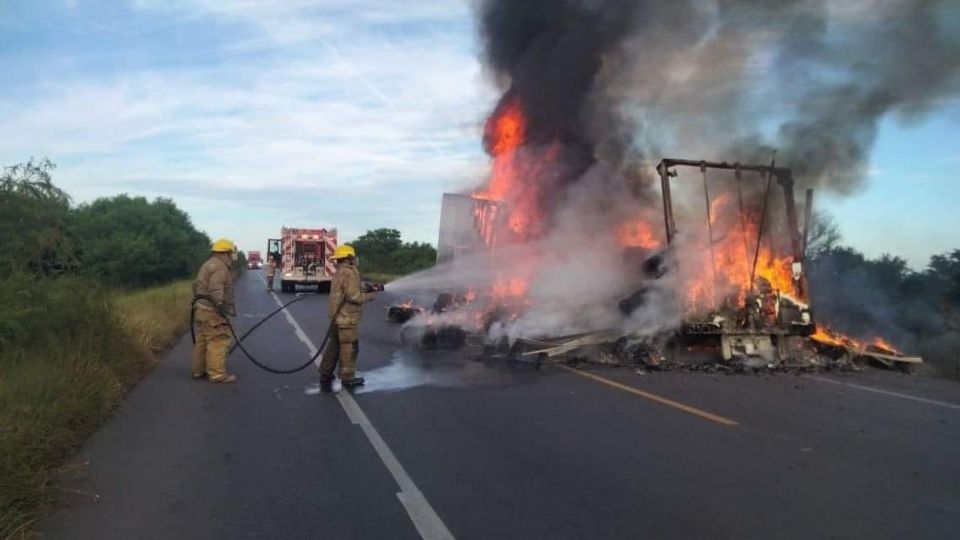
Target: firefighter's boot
column 353, row 382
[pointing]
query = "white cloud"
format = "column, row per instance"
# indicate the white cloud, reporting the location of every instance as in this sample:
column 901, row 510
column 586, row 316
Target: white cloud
column 311, row 94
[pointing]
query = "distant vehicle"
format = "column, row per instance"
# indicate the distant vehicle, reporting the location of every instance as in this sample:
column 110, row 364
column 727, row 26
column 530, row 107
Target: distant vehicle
column 254, row 260
column 305, row 257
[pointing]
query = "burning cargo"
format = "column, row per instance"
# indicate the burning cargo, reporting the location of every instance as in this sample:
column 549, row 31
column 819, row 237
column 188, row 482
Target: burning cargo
column 401, row 313
column 561, row 239
column 738, row 284
column 752, row 295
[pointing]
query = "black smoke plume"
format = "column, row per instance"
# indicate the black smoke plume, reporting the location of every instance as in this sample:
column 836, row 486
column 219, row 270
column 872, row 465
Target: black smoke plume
column 724, row 79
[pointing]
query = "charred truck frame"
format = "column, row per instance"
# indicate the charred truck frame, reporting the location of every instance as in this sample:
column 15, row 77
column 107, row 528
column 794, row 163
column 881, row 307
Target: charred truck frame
column 768, row 324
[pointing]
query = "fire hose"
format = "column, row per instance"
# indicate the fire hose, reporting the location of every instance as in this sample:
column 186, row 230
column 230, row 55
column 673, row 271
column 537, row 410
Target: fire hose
column 238, row 340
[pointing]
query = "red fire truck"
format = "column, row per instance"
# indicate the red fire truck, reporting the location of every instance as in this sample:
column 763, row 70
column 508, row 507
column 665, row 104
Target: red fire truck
column 304, row 257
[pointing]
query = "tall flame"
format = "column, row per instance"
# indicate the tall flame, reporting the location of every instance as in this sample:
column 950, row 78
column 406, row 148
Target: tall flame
column 516, row 173
column 737, row 260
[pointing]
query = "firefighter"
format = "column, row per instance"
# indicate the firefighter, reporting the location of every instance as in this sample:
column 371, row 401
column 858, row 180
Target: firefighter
column 345, row 309
column 271, row 270
column 213, row 302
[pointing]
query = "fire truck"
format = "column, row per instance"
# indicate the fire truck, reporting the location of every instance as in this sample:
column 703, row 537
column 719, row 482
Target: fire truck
column 304, row 257
column 253, row 260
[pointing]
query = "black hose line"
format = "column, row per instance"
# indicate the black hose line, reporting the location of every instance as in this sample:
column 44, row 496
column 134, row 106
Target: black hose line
column 238, row 340
column 263, row 320
column 274, row 370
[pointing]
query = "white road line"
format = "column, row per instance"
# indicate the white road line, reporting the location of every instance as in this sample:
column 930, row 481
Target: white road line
column 424, row 517
column 885, row 392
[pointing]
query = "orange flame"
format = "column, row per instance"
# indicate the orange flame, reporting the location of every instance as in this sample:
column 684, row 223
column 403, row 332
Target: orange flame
column 507, row 131
column 881, row 343
column 717, row 205
column 733, row 263
column 836, row 339
column 515, row 179
column 832, row 337
column 828, row 337
column 511, row 288
column 637, row 234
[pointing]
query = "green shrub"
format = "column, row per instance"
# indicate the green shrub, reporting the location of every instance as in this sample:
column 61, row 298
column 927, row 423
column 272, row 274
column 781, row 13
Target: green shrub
column 34, row 232
column 133, row 242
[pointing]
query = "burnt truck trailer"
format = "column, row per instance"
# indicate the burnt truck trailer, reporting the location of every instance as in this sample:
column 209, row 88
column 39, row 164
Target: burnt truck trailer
column 769, row 319
column 469, row 225
column 304, row 257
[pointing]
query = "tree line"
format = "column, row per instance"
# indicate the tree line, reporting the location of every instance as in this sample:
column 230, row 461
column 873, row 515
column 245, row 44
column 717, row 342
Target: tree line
column 382, row 251
column 120, row 241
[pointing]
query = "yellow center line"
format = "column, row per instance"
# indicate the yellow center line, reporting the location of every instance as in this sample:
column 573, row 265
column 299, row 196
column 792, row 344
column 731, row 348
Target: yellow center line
column 653, row 397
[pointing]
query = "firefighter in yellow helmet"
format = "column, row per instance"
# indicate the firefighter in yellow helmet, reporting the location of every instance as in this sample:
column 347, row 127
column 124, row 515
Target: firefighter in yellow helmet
column 345, row 310
column 213, row 293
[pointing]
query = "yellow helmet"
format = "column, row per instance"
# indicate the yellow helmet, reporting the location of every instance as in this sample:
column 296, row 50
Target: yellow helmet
column 343, row 251
column 223, row 246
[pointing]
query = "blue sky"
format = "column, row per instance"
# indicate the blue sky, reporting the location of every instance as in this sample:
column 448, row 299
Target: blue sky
column 329, row 113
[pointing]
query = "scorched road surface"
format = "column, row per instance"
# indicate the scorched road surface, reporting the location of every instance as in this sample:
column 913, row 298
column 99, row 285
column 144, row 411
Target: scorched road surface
column 439, row 445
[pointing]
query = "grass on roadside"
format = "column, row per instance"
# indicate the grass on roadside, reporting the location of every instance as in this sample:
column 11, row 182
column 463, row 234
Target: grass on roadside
column 69, row 350
column 156, row 317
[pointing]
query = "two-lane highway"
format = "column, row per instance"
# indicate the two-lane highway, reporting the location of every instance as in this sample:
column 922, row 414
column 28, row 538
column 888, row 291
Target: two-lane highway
column 437, row 445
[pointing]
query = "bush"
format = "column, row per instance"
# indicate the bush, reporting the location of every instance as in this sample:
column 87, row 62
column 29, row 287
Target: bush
column 34, row 232
column 132, row 242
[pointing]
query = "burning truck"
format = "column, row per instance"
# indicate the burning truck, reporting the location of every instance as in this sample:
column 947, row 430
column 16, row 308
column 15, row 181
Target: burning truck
column 725, row 274
column 560, row 246
column 745, row 298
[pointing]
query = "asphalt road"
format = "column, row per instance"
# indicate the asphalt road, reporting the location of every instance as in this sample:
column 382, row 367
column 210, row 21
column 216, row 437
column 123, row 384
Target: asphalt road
column 439, row 445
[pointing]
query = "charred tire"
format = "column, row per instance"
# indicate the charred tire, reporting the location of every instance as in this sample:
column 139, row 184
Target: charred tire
column 400, row 315
column 443, row 337
column 447, row 338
